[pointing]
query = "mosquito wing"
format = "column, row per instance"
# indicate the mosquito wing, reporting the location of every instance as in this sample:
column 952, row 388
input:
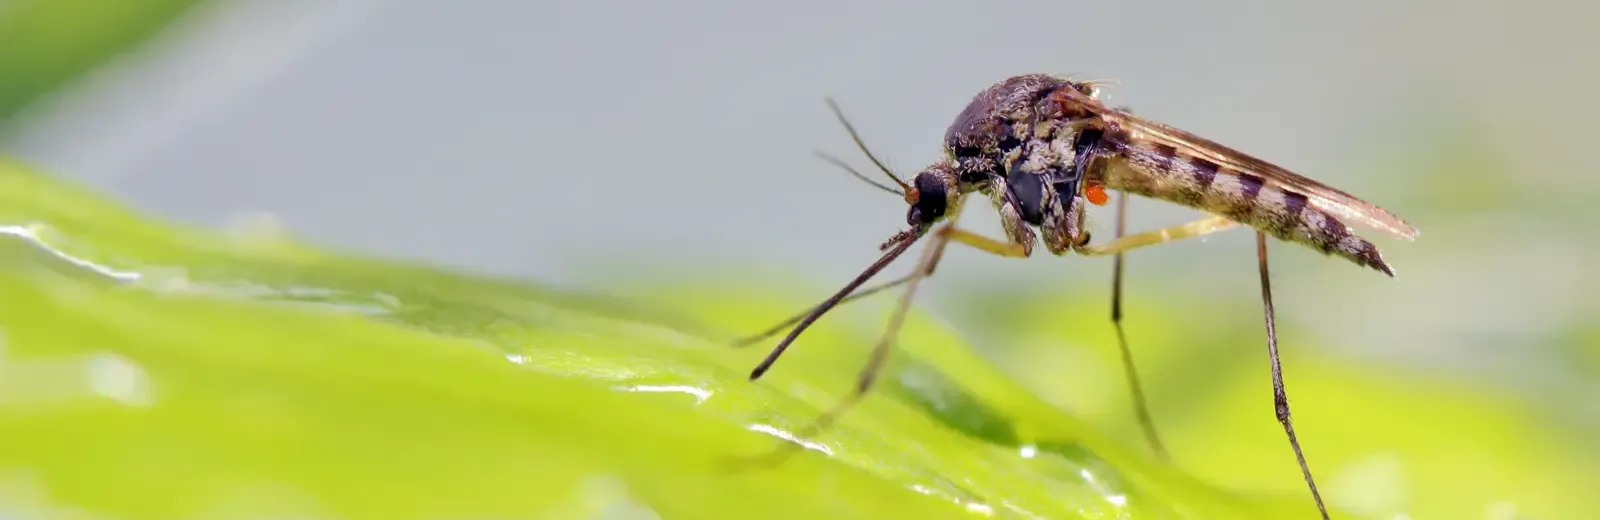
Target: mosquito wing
column 1322, row 196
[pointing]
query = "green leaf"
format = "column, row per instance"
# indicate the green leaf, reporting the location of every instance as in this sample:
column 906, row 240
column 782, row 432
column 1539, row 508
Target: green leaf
column 152, row 371
column 156, row 372
column 47, row 43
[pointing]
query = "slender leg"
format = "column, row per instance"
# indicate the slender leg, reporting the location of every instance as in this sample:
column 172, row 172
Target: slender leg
column 1016, row 231
column 935, row 252
column 880, row 352
column 860, row 145
column 940, row 239
column 1131, row 373
column 986, row 244
column 775, row 329
column 1280, row 398
column 1200, row 227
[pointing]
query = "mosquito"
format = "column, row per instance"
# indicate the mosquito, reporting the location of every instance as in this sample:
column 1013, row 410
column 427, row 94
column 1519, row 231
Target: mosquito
column 1042, row 147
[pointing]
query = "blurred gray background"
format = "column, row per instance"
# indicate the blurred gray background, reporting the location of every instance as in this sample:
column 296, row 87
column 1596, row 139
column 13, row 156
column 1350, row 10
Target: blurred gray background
column 541, row 139
column 582, row 144
column 504, row 136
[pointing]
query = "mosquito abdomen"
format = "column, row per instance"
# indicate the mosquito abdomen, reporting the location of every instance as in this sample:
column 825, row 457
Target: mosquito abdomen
column 1161, row 172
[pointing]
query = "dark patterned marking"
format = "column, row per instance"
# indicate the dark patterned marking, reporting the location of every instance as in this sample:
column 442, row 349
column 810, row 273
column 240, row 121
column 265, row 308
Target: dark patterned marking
column 1333, row 231
column 1205, row 172
column 1165, row 155
column 1332, row 228
column 1293, row 203
column 1250, row 186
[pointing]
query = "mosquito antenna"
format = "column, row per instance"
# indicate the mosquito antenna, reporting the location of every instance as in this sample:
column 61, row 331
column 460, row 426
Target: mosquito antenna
column 837, row 113
column 904, row 239
column 840, row 163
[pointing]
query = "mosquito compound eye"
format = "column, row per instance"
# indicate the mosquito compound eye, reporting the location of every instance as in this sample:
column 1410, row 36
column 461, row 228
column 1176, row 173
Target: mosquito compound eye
column 931, row 197
column 913, row 217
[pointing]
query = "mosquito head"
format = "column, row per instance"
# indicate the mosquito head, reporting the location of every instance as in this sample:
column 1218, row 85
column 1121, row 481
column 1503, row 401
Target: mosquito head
column 933, row 193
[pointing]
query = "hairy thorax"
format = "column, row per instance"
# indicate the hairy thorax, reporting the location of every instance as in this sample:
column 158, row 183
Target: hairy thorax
column 1012, row 144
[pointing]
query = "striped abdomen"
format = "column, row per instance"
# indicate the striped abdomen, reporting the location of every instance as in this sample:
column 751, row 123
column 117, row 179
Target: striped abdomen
column 1161, row 172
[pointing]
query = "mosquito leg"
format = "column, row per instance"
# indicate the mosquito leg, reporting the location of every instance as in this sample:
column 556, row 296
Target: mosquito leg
column 1200, row 227
column 879, row 356
column 1280, row 399
column 1122, row 244
column 880, row 352
column 985, row 244
column 937, row 246
column 860, row 145
column 863, row 293
column 1131, row 373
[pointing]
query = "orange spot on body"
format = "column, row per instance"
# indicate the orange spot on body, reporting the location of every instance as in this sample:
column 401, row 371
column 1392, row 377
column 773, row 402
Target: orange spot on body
column 1096, row 194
